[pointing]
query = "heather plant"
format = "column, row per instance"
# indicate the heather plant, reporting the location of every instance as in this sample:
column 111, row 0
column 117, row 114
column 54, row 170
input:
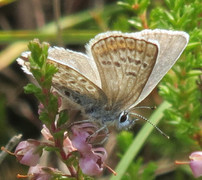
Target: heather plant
column 74, row 149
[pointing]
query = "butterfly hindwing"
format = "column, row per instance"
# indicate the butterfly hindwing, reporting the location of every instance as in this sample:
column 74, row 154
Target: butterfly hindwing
column 69, row 82
column 76, row 60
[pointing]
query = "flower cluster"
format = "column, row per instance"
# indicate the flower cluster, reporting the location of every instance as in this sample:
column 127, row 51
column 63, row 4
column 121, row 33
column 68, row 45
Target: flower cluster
column 91, row 160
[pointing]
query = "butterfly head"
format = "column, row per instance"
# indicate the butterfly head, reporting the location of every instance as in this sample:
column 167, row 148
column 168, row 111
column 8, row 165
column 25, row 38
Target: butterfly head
column 125, row 121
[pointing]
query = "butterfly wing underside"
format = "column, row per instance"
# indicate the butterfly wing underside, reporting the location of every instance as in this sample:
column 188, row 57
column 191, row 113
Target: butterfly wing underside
column 172, row 44
column 124, row 63
column 69, row 82
column 76, row 60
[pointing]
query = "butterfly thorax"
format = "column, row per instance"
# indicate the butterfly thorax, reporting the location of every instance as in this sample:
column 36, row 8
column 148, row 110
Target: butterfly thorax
column 103, row 115
column 97, row 112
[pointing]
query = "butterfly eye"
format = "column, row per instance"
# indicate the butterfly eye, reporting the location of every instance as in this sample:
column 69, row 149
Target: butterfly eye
column 123, row 117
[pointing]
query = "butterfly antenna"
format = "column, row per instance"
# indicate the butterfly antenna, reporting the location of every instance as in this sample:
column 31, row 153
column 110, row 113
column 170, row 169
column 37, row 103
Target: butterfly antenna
column 147, row 120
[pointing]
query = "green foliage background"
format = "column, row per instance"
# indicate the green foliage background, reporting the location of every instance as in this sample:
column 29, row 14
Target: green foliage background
column 143, row 155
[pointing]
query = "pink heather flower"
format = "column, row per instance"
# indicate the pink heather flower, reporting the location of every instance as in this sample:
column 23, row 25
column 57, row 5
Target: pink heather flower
column 196, row 163
column 28, row 153
column 41, row 173
column 91, row 162
column 92, row 159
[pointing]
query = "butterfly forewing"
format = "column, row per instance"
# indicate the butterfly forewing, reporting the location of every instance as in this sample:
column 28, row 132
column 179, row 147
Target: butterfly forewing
column 172, row 44
column 68, row 80
column 124, row 63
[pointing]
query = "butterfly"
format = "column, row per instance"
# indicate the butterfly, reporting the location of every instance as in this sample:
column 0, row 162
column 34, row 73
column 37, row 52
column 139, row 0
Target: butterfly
column 118, row 71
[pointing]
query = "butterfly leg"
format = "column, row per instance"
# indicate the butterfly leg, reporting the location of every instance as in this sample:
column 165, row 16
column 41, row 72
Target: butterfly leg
column 79, row 122
column 95, row 135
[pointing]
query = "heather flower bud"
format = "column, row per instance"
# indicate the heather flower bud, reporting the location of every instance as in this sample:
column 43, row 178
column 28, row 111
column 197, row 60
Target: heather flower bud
column 41, row 173
column 28, row 152
column 196, row 163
